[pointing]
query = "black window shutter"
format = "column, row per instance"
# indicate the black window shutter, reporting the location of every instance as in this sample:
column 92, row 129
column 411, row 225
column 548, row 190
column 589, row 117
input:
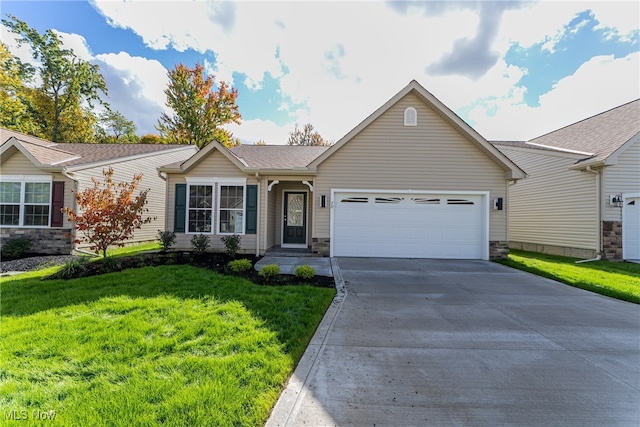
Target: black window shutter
column 180, row 211
column 57, row 203
column 252, row 209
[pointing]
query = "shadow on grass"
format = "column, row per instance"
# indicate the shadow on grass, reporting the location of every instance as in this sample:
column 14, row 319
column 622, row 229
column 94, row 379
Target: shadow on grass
column 291, row 311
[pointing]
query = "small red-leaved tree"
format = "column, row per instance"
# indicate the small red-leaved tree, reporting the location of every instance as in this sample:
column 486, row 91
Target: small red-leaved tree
column 108, row 213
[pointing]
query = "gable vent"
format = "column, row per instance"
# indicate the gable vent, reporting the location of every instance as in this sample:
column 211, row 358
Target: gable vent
column 410, row 117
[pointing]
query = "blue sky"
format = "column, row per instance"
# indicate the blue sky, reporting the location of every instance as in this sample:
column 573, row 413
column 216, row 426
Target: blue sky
column 512, row 69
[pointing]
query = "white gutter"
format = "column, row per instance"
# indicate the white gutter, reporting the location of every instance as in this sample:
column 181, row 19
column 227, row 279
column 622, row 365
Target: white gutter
column 599, row 218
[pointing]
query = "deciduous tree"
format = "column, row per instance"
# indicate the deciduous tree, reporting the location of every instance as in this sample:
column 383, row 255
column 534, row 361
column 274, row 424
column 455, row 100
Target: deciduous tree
column 306, row 136
column 151, row 138
column 200, row 111
column 109, row 212
column 15, row 97
column 113, row 127
column 68, row 81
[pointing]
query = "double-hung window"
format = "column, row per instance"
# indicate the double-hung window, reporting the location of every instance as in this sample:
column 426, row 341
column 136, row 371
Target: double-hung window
column 25, row 201
column 200, row 215
column 231, row 208
column 216, row 205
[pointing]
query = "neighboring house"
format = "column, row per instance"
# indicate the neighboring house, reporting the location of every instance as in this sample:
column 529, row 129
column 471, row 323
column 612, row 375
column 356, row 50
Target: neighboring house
column 581, row 197
column 412, row 180
column 37, row 176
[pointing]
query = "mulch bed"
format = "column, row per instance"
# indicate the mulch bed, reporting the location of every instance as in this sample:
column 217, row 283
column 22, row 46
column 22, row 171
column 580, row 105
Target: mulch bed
column 213, row 261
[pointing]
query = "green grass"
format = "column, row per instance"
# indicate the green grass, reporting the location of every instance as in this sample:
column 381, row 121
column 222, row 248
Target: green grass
column 619, row 280
column 133, row 249
column 170, row 345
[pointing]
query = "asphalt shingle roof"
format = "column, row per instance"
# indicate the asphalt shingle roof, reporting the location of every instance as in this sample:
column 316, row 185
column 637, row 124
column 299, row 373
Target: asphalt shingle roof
column 599, row 135
column 65, row 154
column 277, row 156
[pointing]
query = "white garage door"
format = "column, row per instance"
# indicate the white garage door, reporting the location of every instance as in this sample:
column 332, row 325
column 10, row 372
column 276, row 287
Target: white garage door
column 631, row 227
column 401, row 225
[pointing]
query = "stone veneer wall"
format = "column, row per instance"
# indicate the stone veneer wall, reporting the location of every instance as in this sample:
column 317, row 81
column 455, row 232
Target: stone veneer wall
column 52, row 241
column 554, row 250
column 320, row 247
column 498, row 249
column 612, row 240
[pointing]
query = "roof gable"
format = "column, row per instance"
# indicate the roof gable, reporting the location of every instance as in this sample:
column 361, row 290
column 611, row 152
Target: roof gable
column 512, row 171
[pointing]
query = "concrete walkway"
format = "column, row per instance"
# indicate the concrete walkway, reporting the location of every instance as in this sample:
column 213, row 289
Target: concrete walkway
column 288, row 264
column 438, row 342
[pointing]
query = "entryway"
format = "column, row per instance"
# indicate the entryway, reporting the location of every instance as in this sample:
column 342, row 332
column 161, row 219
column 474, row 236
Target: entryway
column 294, row 219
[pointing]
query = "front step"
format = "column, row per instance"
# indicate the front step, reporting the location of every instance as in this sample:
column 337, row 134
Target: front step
column 285, row 252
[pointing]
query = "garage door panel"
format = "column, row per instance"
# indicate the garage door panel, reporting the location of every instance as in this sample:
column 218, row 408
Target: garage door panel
column 409, row 226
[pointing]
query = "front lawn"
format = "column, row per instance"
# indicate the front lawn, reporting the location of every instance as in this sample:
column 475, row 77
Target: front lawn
column 619, row 280
column 168, row 345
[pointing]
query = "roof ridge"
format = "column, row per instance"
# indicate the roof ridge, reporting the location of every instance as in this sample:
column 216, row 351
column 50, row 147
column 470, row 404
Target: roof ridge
column 51, row 146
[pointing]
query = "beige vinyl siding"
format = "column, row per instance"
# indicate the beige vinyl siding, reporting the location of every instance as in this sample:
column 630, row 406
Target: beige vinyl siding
column 623, row 177
column 213, row 165
column 124, row 172
column 19, row 164
column 553, row 205
column 431, row 156
column 270, row 219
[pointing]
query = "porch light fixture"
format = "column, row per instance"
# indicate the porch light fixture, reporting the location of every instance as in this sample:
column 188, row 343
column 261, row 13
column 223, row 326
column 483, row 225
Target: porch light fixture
column 323, row 201
column 615, row 199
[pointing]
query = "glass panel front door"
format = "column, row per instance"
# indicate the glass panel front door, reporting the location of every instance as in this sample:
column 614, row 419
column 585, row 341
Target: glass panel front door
column 295, row 218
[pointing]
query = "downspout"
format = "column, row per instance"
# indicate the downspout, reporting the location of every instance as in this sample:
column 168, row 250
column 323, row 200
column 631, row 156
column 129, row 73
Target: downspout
column 75, row 184
column 258, row 218
column 599, row 218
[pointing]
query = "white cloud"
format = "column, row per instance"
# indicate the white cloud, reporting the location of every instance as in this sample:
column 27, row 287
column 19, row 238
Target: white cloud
column 598, row 85
column 77, row 43
column 544, row 21
column 136, row 88
column 339, row 60
column 336, row 62
column 251, row 131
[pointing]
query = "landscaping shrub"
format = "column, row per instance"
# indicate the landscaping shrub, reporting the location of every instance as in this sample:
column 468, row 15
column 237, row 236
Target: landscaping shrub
column 71, row 269
column 16, row 248
column 200, row 243
column 240, row 265
column 167, row 239
column 110, row 265
column 305, row 272
column 269, row 273
column 231, row 244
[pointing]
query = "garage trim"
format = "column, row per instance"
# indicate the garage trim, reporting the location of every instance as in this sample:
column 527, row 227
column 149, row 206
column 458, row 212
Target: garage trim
column 484, row 203
column 627, row 251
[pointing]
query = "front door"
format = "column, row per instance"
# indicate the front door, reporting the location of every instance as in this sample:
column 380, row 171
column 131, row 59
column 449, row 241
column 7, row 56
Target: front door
column 295, row 218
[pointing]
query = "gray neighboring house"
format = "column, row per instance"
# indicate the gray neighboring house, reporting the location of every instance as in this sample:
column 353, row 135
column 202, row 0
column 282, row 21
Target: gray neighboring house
column 581, row 197
column 412, row 180
column 37, row 176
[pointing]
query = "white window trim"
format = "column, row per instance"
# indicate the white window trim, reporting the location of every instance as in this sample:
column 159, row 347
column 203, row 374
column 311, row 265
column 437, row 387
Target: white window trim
column 415, row 115
column 215, row 202
column 196, row 182
column 232, row 182
column 23, row 180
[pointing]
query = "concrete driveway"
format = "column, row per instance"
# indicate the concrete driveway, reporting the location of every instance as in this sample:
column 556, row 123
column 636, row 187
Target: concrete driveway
column 440, row 342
